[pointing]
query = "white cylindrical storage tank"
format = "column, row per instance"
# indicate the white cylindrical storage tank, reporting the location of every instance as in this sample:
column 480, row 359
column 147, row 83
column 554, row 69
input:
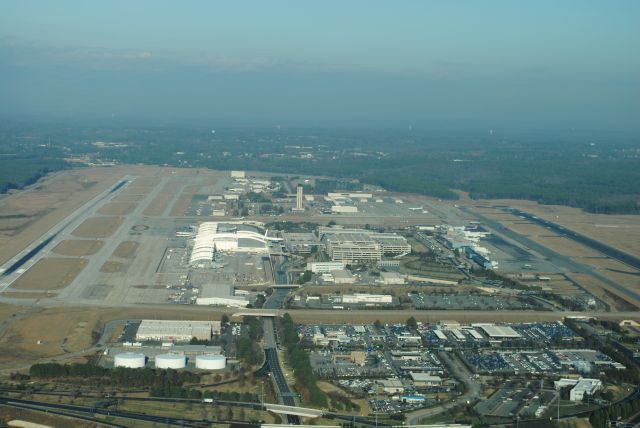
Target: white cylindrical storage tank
column 132, row 360
column 170, row 361
column 211, row 362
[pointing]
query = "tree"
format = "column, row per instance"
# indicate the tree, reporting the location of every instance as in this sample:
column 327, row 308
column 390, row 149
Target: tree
column 377, row 324
column 412, row 323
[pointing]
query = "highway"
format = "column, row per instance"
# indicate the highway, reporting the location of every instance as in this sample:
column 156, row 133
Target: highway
column 272, row 364
column 69, row 409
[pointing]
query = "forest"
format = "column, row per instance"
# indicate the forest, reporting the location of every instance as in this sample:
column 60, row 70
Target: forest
column 593, row 171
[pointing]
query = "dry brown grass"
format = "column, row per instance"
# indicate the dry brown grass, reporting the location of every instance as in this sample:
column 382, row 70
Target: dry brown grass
column 28, row 294
column 158, row 205
column 117, row 208
column 72, row 333
column 27, row 215
column 98, row 227
column 50, row 274
column 619, row 231
column 112, row 267
column 126, row 198
column 126, row 250
column 184, row 200
column 78, row 247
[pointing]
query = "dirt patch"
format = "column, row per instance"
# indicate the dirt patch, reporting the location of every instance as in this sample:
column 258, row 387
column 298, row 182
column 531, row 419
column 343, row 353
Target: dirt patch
column 50, row 274
column 126, row 250
column 117, row 208
column 98, row 227
column 78, row 247
column 113, row 267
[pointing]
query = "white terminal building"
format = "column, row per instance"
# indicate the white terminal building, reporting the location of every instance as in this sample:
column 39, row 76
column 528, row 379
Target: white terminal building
column 176, row 330
column 227, row 237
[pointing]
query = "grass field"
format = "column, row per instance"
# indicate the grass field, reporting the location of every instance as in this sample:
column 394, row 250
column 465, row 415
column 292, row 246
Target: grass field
column 157, row 206
column 50, row 274
column 184, row 200
column 78, row 247
column 112, row 267
column 27, row 215
column 117, row 208
column 126, row 250
column 98, row 227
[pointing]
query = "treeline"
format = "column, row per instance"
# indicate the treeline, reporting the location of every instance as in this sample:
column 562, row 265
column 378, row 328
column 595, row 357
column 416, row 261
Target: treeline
column 306, row 382
column 16, row 174
column 191, row 393
column 119, row 376
column 603, row 417
column 247, row 346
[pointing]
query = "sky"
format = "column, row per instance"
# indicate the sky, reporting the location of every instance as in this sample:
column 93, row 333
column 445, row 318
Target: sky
column 434, row 64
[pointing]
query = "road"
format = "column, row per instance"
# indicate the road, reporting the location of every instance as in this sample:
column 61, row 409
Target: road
column 272, row 364
column 91, row 411
column 460, row 372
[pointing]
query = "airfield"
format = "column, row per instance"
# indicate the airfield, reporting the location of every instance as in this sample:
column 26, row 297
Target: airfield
column 107, row 249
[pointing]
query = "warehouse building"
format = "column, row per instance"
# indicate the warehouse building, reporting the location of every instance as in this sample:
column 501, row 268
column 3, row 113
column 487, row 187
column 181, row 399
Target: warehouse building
column 424, row 379
column 220, row 295
column 392, row 278
column 176, row 331
column 342, row 277
column 498, row 331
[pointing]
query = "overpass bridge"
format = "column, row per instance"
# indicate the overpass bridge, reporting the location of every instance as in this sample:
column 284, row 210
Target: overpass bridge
column 265, row 313
column 293, row 410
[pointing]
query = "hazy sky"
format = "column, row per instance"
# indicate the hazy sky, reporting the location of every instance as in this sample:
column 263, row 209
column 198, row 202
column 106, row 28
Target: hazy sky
column 536, row 64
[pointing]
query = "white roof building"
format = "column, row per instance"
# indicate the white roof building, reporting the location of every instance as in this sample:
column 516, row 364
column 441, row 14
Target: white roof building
column 176, row 330
column 498, row 331
column 220, row 295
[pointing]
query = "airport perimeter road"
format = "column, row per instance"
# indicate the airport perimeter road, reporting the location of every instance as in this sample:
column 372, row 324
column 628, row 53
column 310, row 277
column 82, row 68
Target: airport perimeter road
column 460, row 372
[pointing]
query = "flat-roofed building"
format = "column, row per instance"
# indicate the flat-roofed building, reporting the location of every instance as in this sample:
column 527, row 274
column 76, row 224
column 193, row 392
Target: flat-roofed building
column 176, row 330
column 342, row 277
column 498, row 331
column 324, row 267
column 220, row 295
column 392, row 278
column 424, row 379
column 358, row 245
